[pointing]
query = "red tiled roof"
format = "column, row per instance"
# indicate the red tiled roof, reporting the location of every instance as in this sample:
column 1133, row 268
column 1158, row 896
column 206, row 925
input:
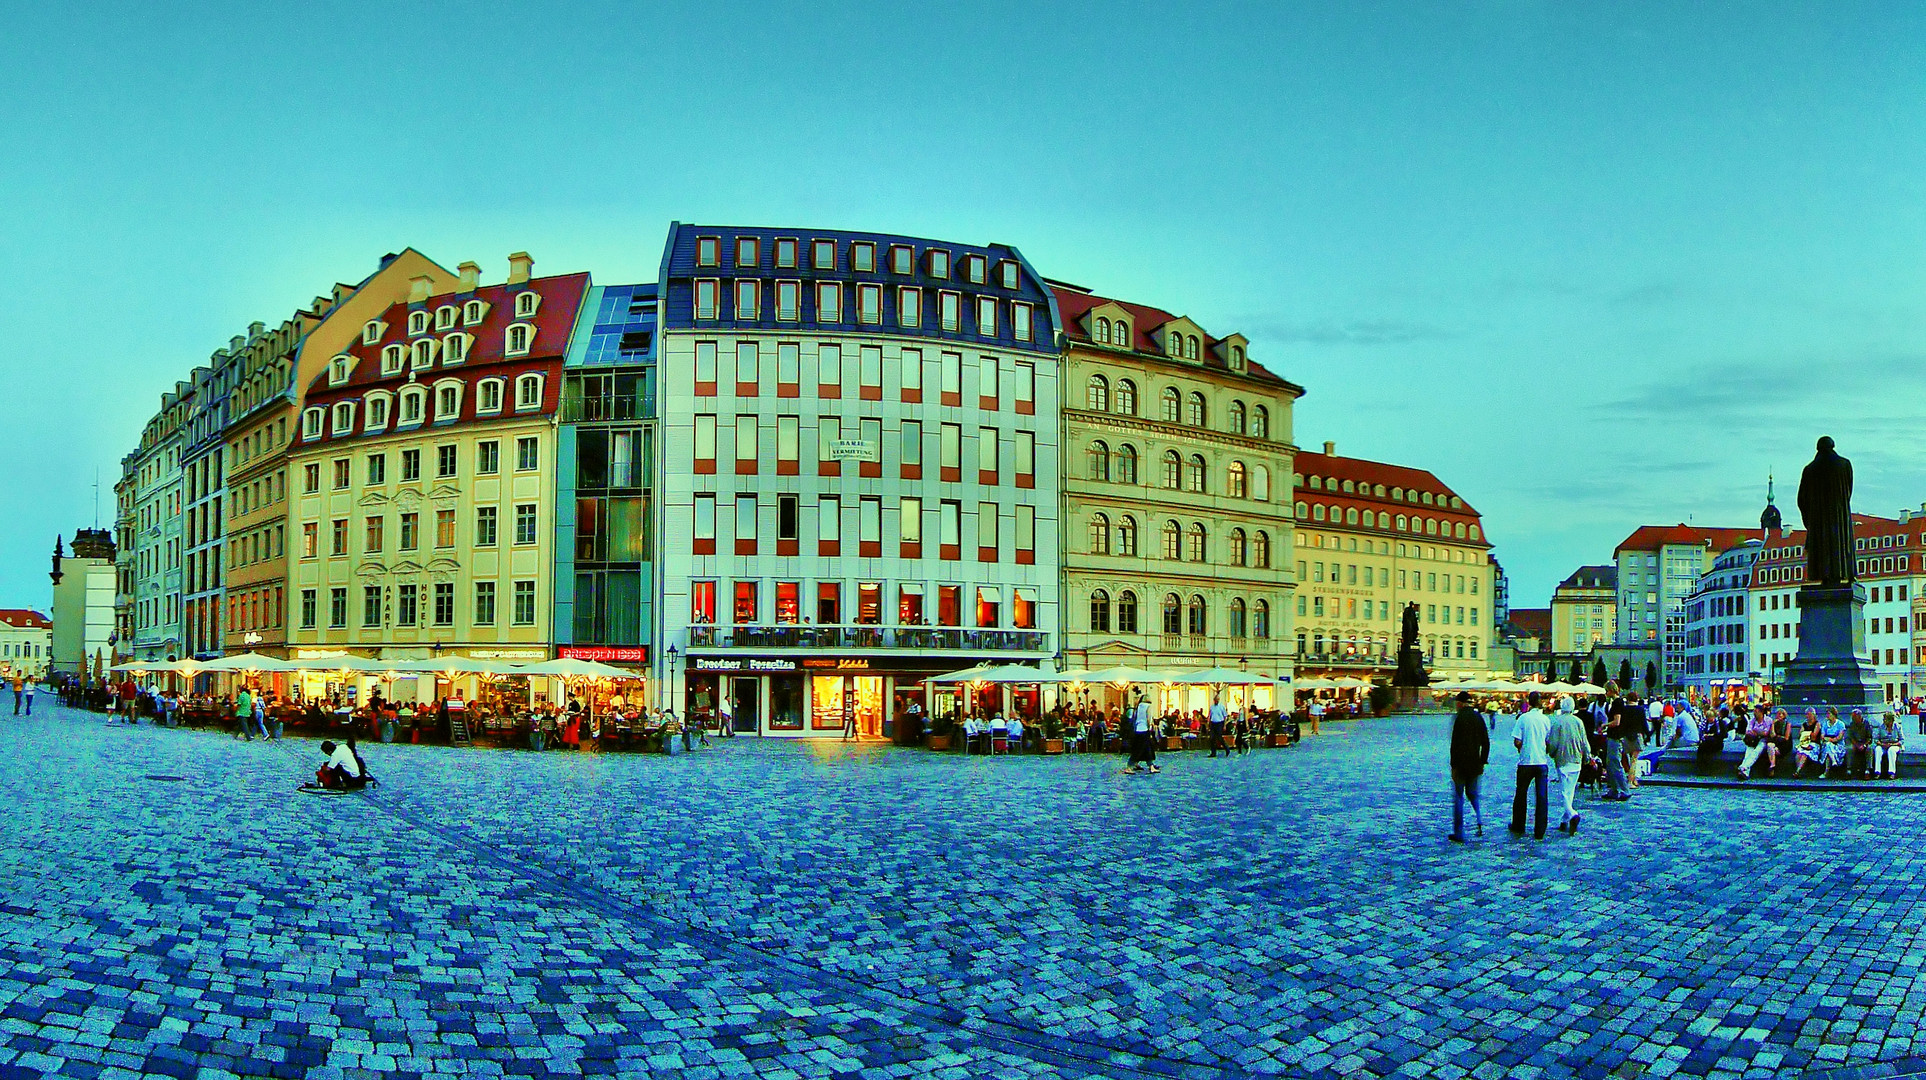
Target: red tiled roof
column 1073, row 304
column 1653, row 537
column 25, row 618
column 1788, row 551
column 1367, row 476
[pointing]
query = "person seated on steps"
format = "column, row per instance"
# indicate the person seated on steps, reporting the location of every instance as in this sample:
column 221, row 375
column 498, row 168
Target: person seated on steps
column 1859, row 743
column 1832, row 744
column 1808, row 751
column 1888, row 740
column 1758, row 741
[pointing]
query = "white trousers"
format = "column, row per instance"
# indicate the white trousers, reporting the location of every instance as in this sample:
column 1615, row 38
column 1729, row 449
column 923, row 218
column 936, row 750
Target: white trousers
column 1568, row 787
column 1885, row 759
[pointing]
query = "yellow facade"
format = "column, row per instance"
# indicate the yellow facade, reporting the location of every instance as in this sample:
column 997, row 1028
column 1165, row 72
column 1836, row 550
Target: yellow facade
column 1584, row 611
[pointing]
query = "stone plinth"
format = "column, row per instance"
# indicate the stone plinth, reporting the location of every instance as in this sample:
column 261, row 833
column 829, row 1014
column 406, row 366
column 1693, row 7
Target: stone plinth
column 1833, row 667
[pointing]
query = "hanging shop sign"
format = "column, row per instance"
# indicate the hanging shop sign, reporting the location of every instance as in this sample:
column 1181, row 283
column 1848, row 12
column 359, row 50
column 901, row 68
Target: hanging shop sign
column 621, row 654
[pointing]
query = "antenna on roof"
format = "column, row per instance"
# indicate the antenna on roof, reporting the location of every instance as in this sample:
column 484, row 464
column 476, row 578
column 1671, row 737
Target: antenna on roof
column 96, row 496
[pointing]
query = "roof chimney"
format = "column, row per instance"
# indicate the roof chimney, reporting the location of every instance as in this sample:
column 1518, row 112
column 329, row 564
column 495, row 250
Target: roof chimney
column 418, row 288
column 1330, row 448
column 1905, row 514
column 470, row 276
column 519, row 264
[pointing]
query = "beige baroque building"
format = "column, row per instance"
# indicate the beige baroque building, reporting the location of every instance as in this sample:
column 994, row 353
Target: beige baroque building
column 1584, row 610
column 1177, row 463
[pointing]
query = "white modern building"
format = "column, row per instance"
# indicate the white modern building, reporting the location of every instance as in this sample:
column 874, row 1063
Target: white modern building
column 859, row 473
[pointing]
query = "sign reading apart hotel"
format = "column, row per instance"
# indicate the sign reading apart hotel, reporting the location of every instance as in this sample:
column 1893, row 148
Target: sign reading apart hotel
column 853, row 450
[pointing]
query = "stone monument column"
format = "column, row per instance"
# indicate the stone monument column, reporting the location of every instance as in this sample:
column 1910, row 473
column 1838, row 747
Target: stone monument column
column 1833, row 666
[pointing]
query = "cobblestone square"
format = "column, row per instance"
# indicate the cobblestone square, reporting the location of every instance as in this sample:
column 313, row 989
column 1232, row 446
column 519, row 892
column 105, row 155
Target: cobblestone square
column 778, row 909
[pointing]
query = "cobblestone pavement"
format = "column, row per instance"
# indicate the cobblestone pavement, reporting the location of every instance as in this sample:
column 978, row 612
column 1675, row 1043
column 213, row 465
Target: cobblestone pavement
column 819, row 910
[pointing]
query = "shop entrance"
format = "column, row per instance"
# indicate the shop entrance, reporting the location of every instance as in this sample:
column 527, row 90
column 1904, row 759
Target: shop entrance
column 833, row 698
column 742, row 696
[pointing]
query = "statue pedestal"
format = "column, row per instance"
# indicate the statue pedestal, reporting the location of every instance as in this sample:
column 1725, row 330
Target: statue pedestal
column 1410, row 678
column 1833, row 667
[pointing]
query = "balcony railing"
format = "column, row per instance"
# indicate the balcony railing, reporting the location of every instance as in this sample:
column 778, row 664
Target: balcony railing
column 864, row 637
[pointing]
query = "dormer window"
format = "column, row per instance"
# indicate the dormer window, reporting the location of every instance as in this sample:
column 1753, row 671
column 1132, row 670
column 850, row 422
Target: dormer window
column 488, row 396
column 862, row 256
column 939, row 263
column 311, row 423
column 973, row 269
column 986, row 316
column 411, row 405
column 708, row 251
column 747, row 252
column 786, row 253
column 1237, row 357
column 338, row 369
column 417, row 322
column 445, row 316
column 454, row 349
column 1120, row 334
column 1006, row 273
column 344, row 418
column 1100, row 331
column 392, row 359
column 372, row 332
column 1190, row 347
column 526, row 303
column 377, row 411
column 902, row 259
column 447, row 403
column 424, row 354
column 528, row 393
column 473, row 312
column 822, row 254
column 521, row 337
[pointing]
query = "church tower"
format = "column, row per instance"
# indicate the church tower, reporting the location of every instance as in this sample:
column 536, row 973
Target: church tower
column 1770, row 524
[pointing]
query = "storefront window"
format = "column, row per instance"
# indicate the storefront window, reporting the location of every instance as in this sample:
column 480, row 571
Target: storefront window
column 745, row 603
column 826, row 703
column 949, row 605
column 785, row 702
column 788, row 602
column 988, row 600
column 909, row 605
column 869, row 603
column 829, row 603
column 700, row 704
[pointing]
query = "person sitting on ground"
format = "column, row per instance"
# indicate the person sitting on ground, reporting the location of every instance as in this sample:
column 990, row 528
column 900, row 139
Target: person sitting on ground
column 1832, row 735
column 1758, row 740
column 1808, row 751
column 1859, row 741
column 341, row 772
column 1888, row 740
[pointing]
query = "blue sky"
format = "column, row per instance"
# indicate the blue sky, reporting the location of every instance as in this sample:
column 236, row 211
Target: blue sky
column 1595, row 265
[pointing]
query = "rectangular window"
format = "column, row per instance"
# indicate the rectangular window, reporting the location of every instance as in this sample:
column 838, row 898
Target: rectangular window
column 829, row 302
column 869, row 536
column 705, row 368
column 909, row 527
column 307, row 609
column 869, row 372
column 1022, row 322
column 1023, row 388
column 786, row 253
column 1026, row 535
column 950, row 453
column 377, row 468
column 705, row 444
column 829, row 603
column 829, row 371
column 310, row 540
column 407, row 605
column 341, row 477
column 829, row 525
column 911, row 450
column 705, row 523
column 338, row 542
column 311, row 479
column 410, row 531
column 708, row 251
column 788, row 369
column 1026, row 459
column 488, row 458
column 909, row 307
column 706, row 292
column 909, row 367
column 524, row 613
column 822, row 254
column 986, row 544
column 745, row 524
column 869, row 304
column 902, row 260
column 986, row 455
column 445, row 463
column 870, row 431
column 986, row 316
column 788, row 603
column 746, row 252
column 485, row 522
column 788, row 301
column 748, row 299
column 987, row 388
column 747, row 436
column 528, row 450
column 484, row 603
column 372, row 539
column 788, row 445
column 748, row 371
column 949, row 311
column 746, row 607
column 950, row 378
column 411, row 464
column 788, row 517
column 338, row 608
column 524, row 523
column 445, row 602
column 702, row 602
column 862, row 256
column 444, row 528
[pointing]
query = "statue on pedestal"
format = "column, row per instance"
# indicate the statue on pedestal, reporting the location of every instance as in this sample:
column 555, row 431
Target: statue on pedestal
column 1825, row 502
column 1409, row 639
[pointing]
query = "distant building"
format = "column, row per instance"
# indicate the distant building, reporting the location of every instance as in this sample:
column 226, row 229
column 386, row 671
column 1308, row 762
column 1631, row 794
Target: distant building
column 1718, row 625
column 26, row 643
column 1658, row 567
column 1889, row 566
column 83, row 603
column 1529, row 633
column 1584, row 610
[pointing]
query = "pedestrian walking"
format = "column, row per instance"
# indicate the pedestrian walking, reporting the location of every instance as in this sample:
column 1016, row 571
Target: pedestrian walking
column 849, row 724
column 1619, row 714
column 1528, row 734
column 260, row 715
column 1217, row 721
column 244, row 714
column 1470, row 752
column 19, row 692
column 1317, row 715
column 1143, row 749
column 29, row 696
column 1567, row 747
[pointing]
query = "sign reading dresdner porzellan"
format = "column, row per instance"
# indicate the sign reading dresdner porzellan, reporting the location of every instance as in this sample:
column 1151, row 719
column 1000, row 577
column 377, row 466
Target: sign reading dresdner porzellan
column 726, row 663
column 853, row 450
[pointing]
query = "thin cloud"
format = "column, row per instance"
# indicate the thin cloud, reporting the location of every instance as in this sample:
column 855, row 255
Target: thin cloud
column 1365, row 332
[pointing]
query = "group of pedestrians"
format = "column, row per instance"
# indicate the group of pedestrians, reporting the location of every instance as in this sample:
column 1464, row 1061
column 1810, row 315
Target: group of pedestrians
column 1555, row 739
column 23, row 692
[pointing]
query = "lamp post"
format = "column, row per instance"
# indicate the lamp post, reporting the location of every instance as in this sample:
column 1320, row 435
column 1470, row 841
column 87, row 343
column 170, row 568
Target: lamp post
column 668, row 687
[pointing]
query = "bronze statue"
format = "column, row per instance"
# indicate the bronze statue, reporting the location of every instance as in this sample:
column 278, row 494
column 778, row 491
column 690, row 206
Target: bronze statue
column 1825, row 502
column 1410, row 625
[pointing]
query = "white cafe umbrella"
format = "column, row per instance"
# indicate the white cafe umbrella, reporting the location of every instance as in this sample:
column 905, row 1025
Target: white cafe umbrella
column 246, row 662
column 1223, row 676
column 571, row 668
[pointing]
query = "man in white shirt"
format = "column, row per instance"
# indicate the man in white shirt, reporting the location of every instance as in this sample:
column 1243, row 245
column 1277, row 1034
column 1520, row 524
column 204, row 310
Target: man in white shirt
column 1217, row 721
column 1528, row 734
column 1143, row 747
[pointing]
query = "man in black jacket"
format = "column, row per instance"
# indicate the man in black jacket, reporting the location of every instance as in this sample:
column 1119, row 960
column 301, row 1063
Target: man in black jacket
column 1470, row 750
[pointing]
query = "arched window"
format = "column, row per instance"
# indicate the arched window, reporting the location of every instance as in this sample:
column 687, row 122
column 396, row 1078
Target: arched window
column 1303, row 510
column 1237, row 418
column 1190, row 347
column 1261, row 422
column 1194, row 474
column 1235, row 623
column 1260, row 483
column 1100, row 535
column 1237, row 357
column 1099, row 460
column 1126, row 472
column 1261, row 619
column 1458, row 530
column 1198, row 542
column 1196, row 414
column 1378, row 491
column 1261, row 549
column 1126, row 612
column 1431, row 526
column 1317, row 512
column 1173, row 540
column 1173, row 470
column 1397, row 493
column 1126, row 397
column 1120, row 335
column 1351, row 515
column 1474, row 532
column 1173, row 404
column 1235, row 481
column 1100, row 612
column 1173, row 614
column 1199, row 617
column 1239, row 547
column 1126, row 535
column 1102, row 332
column 1404, row 523
column 1097, row 395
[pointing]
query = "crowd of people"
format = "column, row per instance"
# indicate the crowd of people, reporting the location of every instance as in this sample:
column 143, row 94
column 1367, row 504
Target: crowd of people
column 1136, row 729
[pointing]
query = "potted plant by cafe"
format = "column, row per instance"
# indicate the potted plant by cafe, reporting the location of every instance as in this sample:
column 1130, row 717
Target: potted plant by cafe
column 940, row 729
column 1052, row 733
